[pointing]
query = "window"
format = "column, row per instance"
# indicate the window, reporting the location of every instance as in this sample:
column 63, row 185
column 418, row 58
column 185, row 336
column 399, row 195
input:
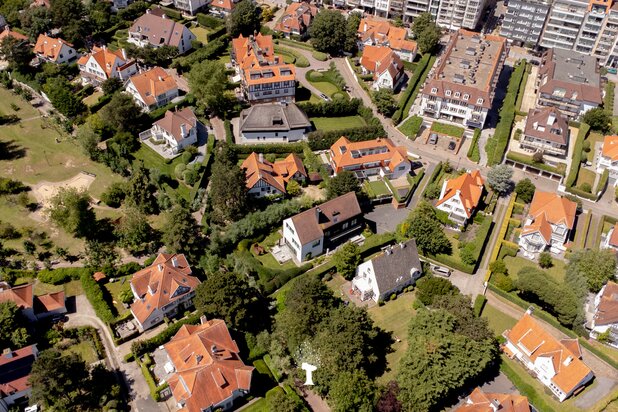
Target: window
column 316, row 243
column 447, row 93
column 479, row 100
column 434, row 90
column 457, row 94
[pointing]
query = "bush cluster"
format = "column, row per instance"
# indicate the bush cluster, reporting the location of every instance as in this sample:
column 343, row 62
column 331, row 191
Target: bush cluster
column 323, row 140
column 334, row 108
column 62, row 275
column 96, row 297
column 407, row 99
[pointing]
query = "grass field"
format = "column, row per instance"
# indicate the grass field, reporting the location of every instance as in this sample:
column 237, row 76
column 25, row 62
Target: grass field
column 201, row 33
column 514, row 264
column 394, row 317
column 585, row 176
column 324, row 82
column 152, row 160
column 337, row 123
column 593, row 138
column 411, row 126
column 378, row 188
column 115, row 289
column 498, row 321
column 93, row 98
column 85, row 350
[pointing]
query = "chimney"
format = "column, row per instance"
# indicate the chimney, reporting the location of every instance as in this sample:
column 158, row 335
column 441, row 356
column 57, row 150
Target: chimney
column 318, row 212
column 124, row 54
column 7, row 353
column 160, row 267
column 147, row 11
column 183, row 133
column 198, row 359
column 175, row 261
column 568, row 361
column 261, row 157
column 203, row 320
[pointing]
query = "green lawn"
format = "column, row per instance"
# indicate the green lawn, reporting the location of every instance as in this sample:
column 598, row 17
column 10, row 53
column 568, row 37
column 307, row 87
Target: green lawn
column 261, row 405
column 85, row 350
column 269, row 261
column 93, row 98
column 73, row 288
column 394, row 317
column 337, row 123
column 324, row 82
column 593, row 138
column 152, row 160
column 377, row 188
column 447, row 129
column 498, row 321
column 514, row 264
column 201, row 33
column 115, row 289
column 411, row 126
column 585, row 176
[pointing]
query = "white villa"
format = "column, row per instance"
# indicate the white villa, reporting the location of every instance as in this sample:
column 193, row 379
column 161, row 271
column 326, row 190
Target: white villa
column 396, row 268
column 461, row 196
column 606, row 313
column 177, row 130
column 607, row 158
column 550, row 219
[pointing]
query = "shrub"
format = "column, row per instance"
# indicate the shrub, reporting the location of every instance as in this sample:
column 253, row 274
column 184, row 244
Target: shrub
column 498, row 266
column 393, row 296
column 586, row 187
column 474, row 152
column 323, row 140
column 409, row 95
column 545, row 260
column 380, row 302
column 95, row 295
column 141, row 347
column 334, row 108
column 479, row 304
column 577, row 155
column 62, row 275
column 503, row 281
column 114, row 195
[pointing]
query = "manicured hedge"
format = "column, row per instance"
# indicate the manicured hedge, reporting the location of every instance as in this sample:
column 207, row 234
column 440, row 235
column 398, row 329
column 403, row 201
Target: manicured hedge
column 602, row 181
column 62, row 275
column 576, row 156
column 474, row 152
column 479, row 304
column 209, row 21
column 208, row 52
column 300, row 60
column 527, row 160
column 141, row 347
column 414, row 84
column 271, row 366
column 334, row 108
column 96, row 297
column 229, row 135
column 496, row 145
column 323, row 140
column 277, row 148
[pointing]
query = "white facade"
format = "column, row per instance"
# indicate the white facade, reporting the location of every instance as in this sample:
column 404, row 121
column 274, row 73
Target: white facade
column 161, row 100
column 190, row 6
column 266, row 136
column 597, row 330
column 366, row 283
column 460, row 14
column 459, row 108
column 453, row 206
column 604, row 163
column 301, row 251
column 169, row 310
column 385, row 81
column 92, row 70
column 161, row 135
column 534, row 242
column 262, row 189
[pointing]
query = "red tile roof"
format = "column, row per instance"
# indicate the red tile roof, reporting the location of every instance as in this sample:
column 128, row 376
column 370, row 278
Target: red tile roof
column 270, row 74
column 528, row 335
column 297, row 17
column 607, row 311
column 469, row 186
column 7, row 32
column 389, row 156
column 610, row 147
column 540, row 225
column 153, row 83
column 557, row 209
column 173, row 122
column 226, row 5
column 208, row 366
column 166, row 280
column 613, row 240
column 380, row 31
column 255, row 51
column 276, row 174
column 22, row 295
column 480, row 401
column 106, row 59
column 15, row 367
column 49, row 302
column 49, row 47
column 378, row 59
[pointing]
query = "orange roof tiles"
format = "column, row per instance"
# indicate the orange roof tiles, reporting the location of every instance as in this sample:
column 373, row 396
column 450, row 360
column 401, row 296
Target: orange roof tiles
column 469, row 186
column 613, row 240
column 557, row 209
column 49, row 302
column 208, row 366
column 166, row 280
column 297, row 17
column 174, row 121
column 227, row 5
column 270, row 74
column 380, row 150
column 7, row 32
column 607, row 310
column 528, row 336
column 153, row 83
column 22, row 295
column 610, row 147
column 97, row 276
column 254, row 51
column 49, row 47
column 380, row 31
column 378, row 59
column 15, row 370
column 540, row 225
column 276, row 174
column 106, row 59
column 479, row 401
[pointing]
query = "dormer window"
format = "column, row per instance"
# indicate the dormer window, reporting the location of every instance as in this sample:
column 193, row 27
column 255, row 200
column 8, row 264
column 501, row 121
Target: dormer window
column 448, row 92
column 457, row 94
column 466, row 96
column 434, row 90
column 479, row 100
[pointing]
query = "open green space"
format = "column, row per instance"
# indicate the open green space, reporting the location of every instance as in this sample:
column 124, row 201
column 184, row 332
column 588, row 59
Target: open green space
column 72, row 288
column 376, row 188
column 152, row 160
column 447, row 129
column 498, row 321
column 201, row 33
column 593, row 138
column 514, row 265
column 585, row 176
column 328, row 82
column 394, row 316
column 115, row 289
column 337, row 123
column 411, row 127
column 269, row 261
column 93, row 98
column 85, row 350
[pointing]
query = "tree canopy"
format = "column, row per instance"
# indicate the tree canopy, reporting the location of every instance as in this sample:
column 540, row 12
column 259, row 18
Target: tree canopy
column 430, row 287
column 343, row 183
column 426, row 31
column 385, row 102
column 228, row 192
column 140, row 190
column 245, row 19
column 424, row 226
column 209, row 84
column 596, row 266
column 328, row 31
column 61, row 95
column 525, row 190
column 70, row 209
column 499, row 179
column 122, row 114
column 181, row 232
column 346, row 259
column 598, row 119
column 15, row 52
column 351, row 32
column 13, row 332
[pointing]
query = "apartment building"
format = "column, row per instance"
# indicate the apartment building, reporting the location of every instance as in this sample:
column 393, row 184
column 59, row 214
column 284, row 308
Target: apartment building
column 564, row 21
column 460, row 14
column 606, row 48
column 524, row 21
column 461, row 86
column 190, row 7
column 569, row 81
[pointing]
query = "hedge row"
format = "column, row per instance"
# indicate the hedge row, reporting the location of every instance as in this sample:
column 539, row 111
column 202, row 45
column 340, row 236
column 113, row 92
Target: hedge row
column 412, row 88
column 209, row 21
column 479, row 304
column 577, row 155
column 96, row 297
column 62, row 275
column 496, row 146
column 203, row 181
column 602, row 181
column 300, row 61
column 334, row 108
column 580, row 193
column 474, row 152
column 323, row 140
column 103, row 100
column 155, row 391
column 141, row 347
column 528, row 160
column 503, row 228
column 277, row 148
column 608, row 359
column 208, row 52
column 229, row 135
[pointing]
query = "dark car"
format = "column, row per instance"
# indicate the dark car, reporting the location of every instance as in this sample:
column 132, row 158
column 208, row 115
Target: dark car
column 451, row 146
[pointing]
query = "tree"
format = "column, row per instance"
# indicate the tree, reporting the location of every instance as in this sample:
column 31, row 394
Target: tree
column 35, row 20
column 89, row 140
column 244, row 19
column 61, row 95
column 352, row 391
column 68, row 15
column 12, row 326
column 123, row 114
column 115, row 194
column 499, row 179
column 279, row 401
column 228, row 296
column 111, row 85
column 388, row 402
column 181, row 233
column 346, row 259
column 423, row 225
column 209, row 84
column 385, row 102
column 598, row 119
column 439, row 361
column 426, row 31
column 140, row 191
column 498, row 266
column 99, row 15
column 351, row 32
column 328, row 31
column 134, row 232
column 11, row 9
column 429, row 287
column 545, row 260
column 16, row 53
column 344, row 182
column 525, row 190
column 595, row 266
column 101, row 255
column 468, row 324
column 228, row 194
column 70, row 209
column 293, row 188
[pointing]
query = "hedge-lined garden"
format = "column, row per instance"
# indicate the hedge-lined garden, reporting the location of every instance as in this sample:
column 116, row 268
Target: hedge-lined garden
column 496, row 145
column 578, row 157
column 414, row 84
column 411, row 127
column 474, row 152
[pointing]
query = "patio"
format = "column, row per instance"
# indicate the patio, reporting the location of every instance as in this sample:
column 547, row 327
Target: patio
column 163, row 368
column 350, row 295
column 126, row 329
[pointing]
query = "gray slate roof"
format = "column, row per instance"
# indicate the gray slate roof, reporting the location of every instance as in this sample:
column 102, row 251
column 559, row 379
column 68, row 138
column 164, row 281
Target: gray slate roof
column 388, row 267
column 273, row 117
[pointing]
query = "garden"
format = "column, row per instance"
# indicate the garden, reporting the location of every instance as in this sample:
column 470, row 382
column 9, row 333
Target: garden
column 411, row 127
column 330, row 82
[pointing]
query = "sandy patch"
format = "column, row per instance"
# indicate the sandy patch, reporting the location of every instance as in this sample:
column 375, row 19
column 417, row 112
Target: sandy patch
column 45, row 191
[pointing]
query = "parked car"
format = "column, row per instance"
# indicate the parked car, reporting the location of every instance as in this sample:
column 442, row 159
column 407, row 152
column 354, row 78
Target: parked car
column 441, row 271
column 325, row 97
column 433, row 139
column 451, row 145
